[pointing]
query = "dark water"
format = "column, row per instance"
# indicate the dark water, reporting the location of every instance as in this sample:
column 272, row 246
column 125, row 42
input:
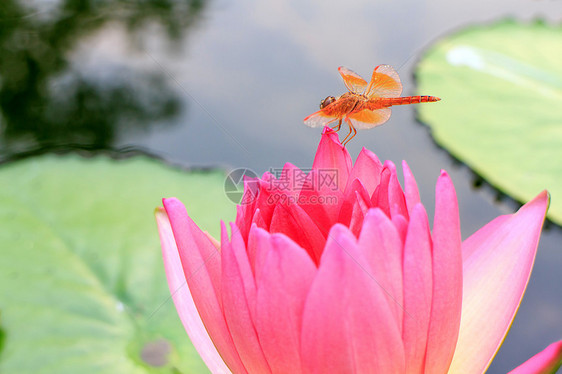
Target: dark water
column 228, row 84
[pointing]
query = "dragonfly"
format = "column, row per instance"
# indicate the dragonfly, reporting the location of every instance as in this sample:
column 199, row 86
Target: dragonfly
column 366, row 105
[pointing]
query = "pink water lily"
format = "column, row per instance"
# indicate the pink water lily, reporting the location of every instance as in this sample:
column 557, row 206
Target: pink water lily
column 336, row 270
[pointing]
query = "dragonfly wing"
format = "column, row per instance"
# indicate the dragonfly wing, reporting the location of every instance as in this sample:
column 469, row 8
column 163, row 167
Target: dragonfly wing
column 385, row 82
column 352, row 80
column 367, row 119
column 319, row 119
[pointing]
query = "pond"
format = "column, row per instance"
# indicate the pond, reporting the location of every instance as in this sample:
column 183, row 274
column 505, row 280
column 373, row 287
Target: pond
column 227, row 84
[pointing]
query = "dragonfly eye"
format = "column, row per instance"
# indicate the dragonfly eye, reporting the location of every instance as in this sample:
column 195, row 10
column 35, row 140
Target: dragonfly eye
column 327, row 101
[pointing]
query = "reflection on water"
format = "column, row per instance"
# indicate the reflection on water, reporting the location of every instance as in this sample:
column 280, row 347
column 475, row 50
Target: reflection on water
column 46, row 100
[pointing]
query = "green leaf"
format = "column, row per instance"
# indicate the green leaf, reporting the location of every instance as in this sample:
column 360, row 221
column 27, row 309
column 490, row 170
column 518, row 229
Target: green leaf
column 501, row 112
column 82, row 286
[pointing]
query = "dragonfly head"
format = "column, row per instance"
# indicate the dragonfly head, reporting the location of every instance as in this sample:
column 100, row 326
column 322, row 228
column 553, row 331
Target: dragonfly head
column 327, row 101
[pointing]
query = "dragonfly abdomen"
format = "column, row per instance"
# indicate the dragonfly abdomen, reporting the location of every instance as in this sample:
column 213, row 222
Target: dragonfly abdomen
column 410, row 100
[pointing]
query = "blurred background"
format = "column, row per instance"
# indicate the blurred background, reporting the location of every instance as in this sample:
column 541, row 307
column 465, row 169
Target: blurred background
column 213, row 83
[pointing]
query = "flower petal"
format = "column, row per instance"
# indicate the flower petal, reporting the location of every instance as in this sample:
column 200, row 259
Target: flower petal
column 382, row 248
column 380, row 196
column 411, row 191
column 201, row 264
column 291, row 220
column 347, row 322
column 183, row 300
column 546, row 362
column 290, row 181
column 401, row 224
column 321, row 198
column 447, row 278
column 285, row 280
column 354, row 191
column 360, row 208
column 266, row 195
column 332, row 157
column 265, row 202
column 396, row 199
column 367, row 169
column 417, row 289
column 497, row 265
column 239, row 293
column 245, row 210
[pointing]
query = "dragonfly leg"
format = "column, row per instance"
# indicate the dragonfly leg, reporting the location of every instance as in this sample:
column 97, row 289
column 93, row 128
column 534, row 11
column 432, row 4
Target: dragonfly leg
column 351, row 134
column 337, row 127
column 351, row 130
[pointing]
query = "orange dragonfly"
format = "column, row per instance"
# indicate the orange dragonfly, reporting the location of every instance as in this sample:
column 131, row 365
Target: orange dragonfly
column 365, row 105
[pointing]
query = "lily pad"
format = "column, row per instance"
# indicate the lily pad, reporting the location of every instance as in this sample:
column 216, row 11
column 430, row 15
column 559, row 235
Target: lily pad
column 501, row 112
column 82, row 285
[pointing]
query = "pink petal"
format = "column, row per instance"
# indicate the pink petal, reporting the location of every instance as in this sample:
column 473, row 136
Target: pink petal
column 360, row 208
column 332, row 156
column 244, row 216
column 258, row 220
column 417, row 289
column 382, row 249
column 259, row 242
column 347, row 322
column 247, row 207
column 354, row 191
column 201, row 264
column 411, row 191
column 396, row 199
column 401, row 225
column 239, row 293
column 321, row 198
column 264, row 202
column 497, row 265
column 242, row 262
column 251, row 246
column 284, row 283
column 380, row 196
column 291, row 181
column 447, row 278
column 291, row 220
column 546, row 362
column 183, row 300
column 367, row 169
